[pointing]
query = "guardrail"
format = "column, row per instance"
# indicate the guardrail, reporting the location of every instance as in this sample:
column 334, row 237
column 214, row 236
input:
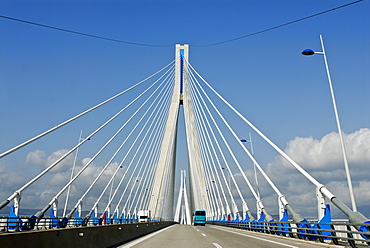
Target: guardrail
column 14, row 224
column 338, row 233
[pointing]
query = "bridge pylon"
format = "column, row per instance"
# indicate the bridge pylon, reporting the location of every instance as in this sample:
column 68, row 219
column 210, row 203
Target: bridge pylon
column 162, row 197
column 185, row 210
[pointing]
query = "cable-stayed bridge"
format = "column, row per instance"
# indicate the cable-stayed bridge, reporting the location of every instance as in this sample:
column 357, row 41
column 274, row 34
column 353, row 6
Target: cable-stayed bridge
column 132, row 161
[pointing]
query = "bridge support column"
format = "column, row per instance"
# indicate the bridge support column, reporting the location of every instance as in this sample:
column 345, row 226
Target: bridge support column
column 161, row 199
column 55, row 207
column 17, row 200
column 198, row 189
column 79, row 208
column 320, row 204
column 185, row 215
column 281, row 209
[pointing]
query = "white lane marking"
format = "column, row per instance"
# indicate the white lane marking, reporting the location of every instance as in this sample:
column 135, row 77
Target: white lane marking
column 204, row 235
column 250, row 236
column 144, row 238
column 217, row 245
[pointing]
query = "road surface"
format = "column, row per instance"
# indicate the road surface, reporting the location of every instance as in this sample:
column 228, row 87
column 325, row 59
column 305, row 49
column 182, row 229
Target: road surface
column 183, row 236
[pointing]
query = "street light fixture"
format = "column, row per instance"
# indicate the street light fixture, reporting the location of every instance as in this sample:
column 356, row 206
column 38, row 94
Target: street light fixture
column 312, row 52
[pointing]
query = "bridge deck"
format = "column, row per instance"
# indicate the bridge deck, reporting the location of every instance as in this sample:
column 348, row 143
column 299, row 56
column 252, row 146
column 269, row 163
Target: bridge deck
column 184, row 236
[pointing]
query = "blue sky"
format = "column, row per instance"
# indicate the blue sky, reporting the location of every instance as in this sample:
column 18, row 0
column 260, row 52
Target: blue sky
column 48, row 76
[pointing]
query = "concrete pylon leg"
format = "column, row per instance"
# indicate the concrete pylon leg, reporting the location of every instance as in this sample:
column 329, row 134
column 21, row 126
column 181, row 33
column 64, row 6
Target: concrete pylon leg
column 162, row 197
column 185, row 214
column 198, row 189
column 164, row 173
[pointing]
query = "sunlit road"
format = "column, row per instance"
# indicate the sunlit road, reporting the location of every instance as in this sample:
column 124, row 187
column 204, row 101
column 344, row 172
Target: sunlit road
column 182, row 236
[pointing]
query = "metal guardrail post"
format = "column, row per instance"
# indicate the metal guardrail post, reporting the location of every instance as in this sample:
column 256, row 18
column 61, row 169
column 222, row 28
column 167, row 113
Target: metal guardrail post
column 350, row 240
column 321, row 239
column 290, row 231
column 334, row 235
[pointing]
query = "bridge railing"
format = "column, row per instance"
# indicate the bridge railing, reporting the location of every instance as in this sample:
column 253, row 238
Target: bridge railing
column 338, row 233
column 14, row 224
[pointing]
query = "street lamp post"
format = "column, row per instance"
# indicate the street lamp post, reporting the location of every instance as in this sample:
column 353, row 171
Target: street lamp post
column 72, row 172
column 254, row 165
column 311, row 52
column 259, row 210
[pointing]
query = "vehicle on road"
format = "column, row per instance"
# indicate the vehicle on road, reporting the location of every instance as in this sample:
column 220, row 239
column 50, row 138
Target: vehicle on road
column 143, row 215
column 199, row 217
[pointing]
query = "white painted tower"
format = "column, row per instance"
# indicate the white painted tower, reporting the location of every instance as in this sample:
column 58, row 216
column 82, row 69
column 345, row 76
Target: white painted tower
column 162, row 197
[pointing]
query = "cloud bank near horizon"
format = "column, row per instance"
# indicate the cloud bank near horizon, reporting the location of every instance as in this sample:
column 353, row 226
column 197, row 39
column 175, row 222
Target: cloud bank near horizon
column 322, row 158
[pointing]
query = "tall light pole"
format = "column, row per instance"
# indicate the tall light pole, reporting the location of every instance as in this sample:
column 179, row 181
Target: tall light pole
column 259, row 210
column 254, row 165
column 72, row 172
column 311, row 52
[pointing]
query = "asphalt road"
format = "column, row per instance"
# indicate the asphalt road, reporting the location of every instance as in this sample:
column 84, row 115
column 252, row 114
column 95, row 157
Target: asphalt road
column 183, row 236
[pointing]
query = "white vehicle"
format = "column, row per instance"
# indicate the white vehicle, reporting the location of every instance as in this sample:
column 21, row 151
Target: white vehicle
column 143, row 215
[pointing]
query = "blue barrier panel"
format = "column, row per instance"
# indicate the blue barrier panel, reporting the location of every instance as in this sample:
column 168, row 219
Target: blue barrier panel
column 13, row 220
column 246, row 217
column 115, row 219
column 325, row 219
column 78, row 221
column 54, row 221
column 365, row 229
column 302, row 232
column 313, row 232
column 284, row 219
column 135, row 219
column 64, row 222
column 253, row 225
column 262, row 217
column 272, row 223
column 95, row 220
column 30, row 223
column 261, row 221
column 236, row 218
column 124, row 220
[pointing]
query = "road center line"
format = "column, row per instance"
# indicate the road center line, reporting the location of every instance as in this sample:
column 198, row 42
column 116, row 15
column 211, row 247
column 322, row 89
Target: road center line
column 204, row 235
column 144, row 238
column 250, row 236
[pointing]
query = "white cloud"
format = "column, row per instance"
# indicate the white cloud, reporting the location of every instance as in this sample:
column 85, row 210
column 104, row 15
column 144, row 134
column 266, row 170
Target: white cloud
column 36, row 157
column 323, row 159
column 64, row 165
column 10, row 180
